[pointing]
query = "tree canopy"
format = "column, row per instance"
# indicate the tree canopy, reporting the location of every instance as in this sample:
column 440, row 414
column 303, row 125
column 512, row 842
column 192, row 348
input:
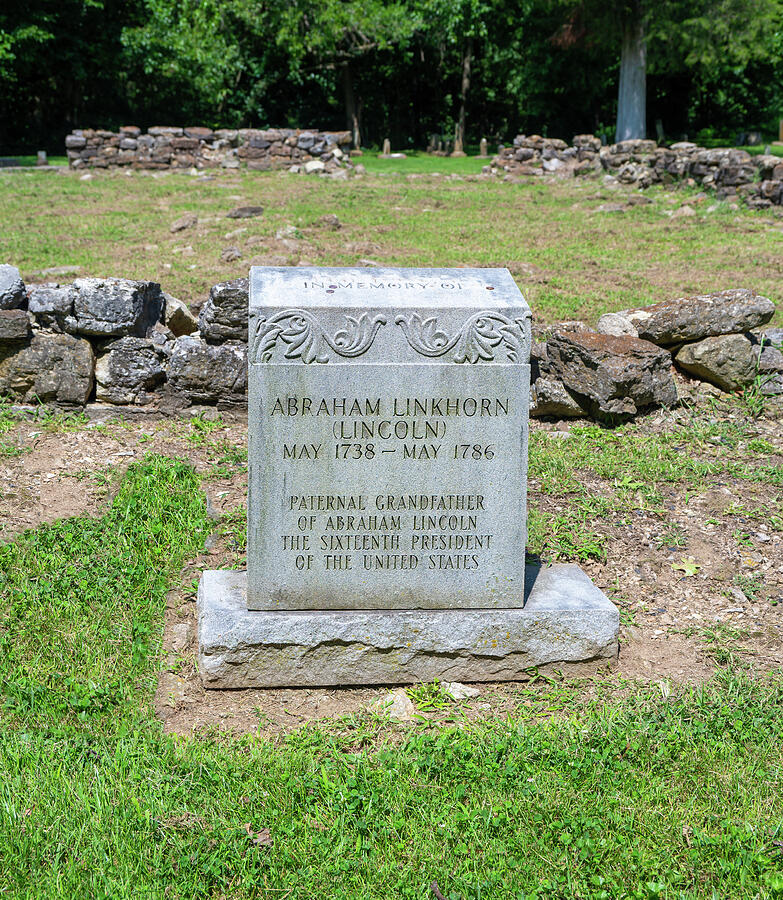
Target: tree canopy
column 405, row 69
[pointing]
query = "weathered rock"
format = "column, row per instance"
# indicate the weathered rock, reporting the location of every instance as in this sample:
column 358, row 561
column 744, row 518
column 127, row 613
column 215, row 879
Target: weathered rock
column 587, row 142
column 245, row 212
column 50, row 304
column 224, row 316
column 231, row 254
column 313, row 165
column 542, row 332
column 128, row 370
column 55, row 272
column 48, row 368
column 162, row 337
column 617, row 375
column 330, row 221
column 396, row 705
column 178, row 317
column 694, row 318
column 616, row 324
column 549, row 397
column 204, row 373
column 725, row 360
column 459, row 691
column 773, row 336
column 771, row 385
column 114, row 306
column 14, row 324
column 767, row 354
column 769, row 359
column 186, row 221
column 12, row 290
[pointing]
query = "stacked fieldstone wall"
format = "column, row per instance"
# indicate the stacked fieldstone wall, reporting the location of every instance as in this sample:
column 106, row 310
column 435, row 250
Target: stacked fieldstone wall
column 128, row 343
column 202, row 148
column 730, row 172
column 630, row 360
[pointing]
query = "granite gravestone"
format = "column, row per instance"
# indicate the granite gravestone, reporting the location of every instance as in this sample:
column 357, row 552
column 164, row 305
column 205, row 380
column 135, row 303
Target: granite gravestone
column 388, row 425
column 388, row 447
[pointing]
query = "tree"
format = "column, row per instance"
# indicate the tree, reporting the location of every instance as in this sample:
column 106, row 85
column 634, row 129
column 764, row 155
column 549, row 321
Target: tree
column 458, row 25
column 338, row 36
column 57, row 61
column 632, row 87
column 670, row 35
column 184, row 56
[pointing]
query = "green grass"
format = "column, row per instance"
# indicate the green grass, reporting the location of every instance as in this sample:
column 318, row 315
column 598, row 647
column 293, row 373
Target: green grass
column 82, row 602
column 569, row 259
column 624, row 792
column 32, row 160
column 633, row 466
column 637, row 799
column 423, row 163
column 758, row 150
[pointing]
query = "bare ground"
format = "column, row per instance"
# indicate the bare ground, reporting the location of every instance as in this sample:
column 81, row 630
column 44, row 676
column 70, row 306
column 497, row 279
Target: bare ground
column 677, row 626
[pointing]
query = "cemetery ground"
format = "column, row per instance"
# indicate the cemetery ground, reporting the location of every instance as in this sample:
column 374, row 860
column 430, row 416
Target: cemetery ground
column 659, row 777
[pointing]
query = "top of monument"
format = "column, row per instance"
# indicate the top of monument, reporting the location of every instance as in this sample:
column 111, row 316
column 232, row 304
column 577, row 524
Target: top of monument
column 380, row 288
column 314, row 315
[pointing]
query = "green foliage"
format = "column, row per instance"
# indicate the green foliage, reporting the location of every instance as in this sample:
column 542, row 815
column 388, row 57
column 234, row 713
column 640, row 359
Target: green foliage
column 184, row 54
column 82, row 600
column 326, row 32
column 714, row 66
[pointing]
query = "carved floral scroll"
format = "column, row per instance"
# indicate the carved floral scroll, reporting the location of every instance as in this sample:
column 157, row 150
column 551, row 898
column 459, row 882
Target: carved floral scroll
column 478, row 339
column 305, row 339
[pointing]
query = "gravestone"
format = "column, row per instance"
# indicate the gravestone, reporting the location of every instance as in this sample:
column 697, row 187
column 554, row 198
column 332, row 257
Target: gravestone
column 388, row 431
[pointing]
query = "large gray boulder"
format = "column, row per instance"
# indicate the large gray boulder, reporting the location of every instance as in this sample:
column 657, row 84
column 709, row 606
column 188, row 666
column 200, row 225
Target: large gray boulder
column 12, row 290
column 692, row 318
column 50, row 304
column 205, row 373
column 612, row 376
column 14, row 325
column 128, row 370
column 224, row 316
column 48, row 368
column 114, row 306
column 727, row 361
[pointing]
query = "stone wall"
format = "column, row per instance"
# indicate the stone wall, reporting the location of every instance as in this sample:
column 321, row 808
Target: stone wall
column 730, row 172
column 201, row 148
column 128, row 343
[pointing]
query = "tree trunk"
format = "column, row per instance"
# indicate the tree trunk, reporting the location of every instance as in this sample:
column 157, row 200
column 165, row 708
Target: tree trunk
column 632, row 94
column 459, row 137
column 351, row 107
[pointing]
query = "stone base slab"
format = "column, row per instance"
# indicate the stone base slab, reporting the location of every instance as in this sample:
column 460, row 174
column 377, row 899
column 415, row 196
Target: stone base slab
column 566, row 623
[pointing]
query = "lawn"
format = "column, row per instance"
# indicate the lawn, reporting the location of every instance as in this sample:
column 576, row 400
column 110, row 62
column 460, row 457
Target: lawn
column 576, row 248
column 605, row 787
column 658, row 779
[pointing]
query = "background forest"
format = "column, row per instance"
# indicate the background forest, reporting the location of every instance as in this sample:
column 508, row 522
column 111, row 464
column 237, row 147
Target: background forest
column 405, row 69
